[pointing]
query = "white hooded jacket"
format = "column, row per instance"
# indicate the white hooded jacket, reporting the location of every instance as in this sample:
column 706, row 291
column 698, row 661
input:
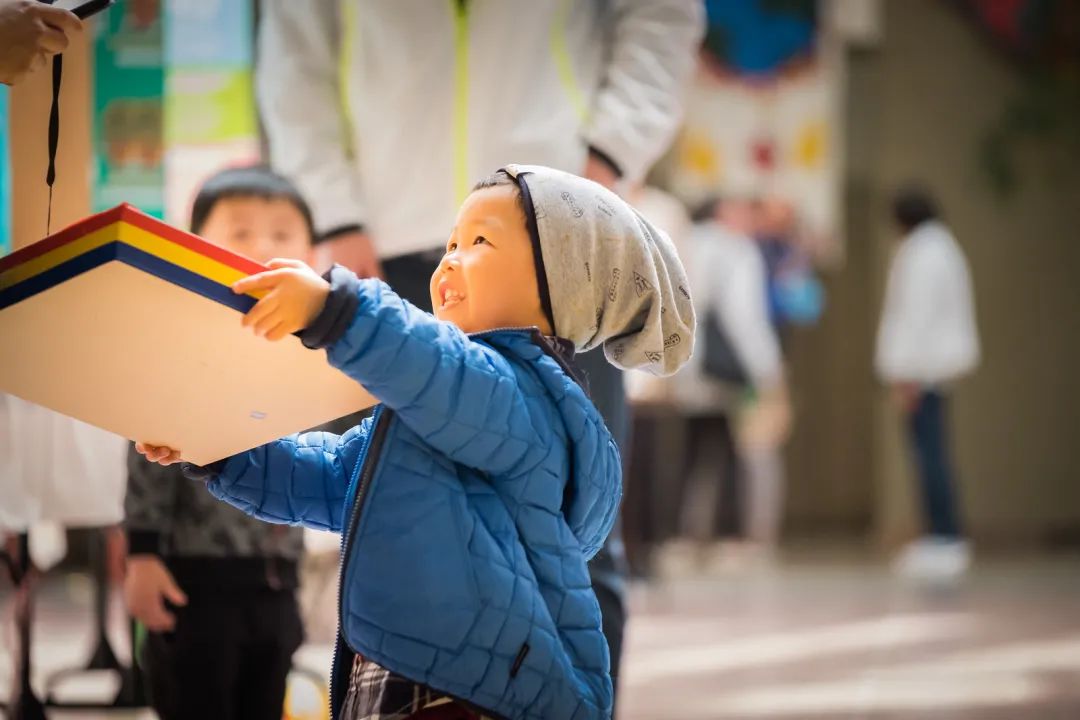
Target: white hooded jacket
column 928, row 332
column 386, row 112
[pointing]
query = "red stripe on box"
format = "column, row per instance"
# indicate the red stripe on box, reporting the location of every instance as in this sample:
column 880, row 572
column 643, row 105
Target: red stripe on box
column 68, row 234
column 134, row 216
column 143, row 221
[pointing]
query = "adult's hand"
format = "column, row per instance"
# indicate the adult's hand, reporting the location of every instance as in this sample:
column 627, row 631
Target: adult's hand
column 906, row 396
column 354, row 250
column 600, row 171
column 30, row 33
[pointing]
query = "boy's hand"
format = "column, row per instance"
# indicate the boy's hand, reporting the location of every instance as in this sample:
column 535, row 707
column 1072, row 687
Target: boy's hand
column 158, row 453
column 146, row 588
column 295, row 296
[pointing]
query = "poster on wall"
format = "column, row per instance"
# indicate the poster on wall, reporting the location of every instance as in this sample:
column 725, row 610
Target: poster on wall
column 209, row 100
column 129, row 82
column 762, row 114
column 5, row 176
column 173, row 101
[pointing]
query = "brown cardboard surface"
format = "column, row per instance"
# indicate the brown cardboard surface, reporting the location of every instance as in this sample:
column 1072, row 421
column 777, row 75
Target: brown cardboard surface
column 146, row 359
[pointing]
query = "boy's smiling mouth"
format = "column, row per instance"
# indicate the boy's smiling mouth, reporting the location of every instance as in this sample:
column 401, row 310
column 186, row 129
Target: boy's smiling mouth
column 449, row 296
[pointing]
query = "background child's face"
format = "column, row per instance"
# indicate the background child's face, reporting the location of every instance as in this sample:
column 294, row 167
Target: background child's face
column 487, row 279
column 258, row 228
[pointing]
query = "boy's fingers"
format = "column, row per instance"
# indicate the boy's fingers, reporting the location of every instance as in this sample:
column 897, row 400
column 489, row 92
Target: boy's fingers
column 174, row 594
column 263, row 308
column 277, row 332
column 261, row 281
column 169, row 456
column 267, row 323
column 160, row 618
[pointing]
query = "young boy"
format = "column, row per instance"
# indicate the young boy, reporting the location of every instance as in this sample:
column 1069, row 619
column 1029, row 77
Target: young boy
column 215, row 588
column 470, row 503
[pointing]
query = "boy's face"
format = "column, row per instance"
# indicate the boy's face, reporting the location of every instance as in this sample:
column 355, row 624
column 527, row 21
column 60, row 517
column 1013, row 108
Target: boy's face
column 258, row 228
column 487, row 279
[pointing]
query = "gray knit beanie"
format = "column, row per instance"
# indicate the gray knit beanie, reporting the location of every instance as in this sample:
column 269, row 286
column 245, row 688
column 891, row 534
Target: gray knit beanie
column 611, row 278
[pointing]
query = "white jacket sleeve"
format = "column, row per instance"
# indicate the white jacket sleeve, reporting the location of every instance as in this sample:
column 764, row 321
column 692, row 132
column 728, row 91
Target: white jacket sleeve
column 639, row 104
column 302, row 108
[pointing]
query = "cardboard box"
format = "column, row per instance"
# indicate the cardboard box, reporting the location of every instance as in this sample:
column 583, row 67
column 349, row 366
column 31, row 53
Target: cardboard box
column 129, row 324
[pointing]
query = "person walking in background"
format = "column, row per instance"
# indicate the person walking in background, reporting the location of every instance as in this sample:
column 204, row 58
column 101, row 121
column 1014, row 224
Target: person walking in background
column 928, row 338
column 733, row 393
column 216, row 589
column 360, row 101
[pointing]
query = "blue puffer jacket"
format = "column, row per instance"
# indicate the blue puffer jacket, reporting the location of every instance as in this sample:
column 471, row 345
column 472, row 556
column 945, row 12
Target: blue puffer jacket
column 468, row 507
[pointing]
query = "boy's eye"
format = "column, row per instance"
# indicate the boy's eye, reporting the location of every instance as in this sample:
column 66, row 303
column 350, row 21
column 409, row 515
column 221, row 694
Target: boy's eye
column 480, row 239
column 451, row 247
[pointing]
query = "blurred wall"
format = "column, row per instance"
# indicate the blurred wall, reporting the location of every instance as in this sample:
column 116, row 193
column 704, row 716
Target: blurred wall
column 30, row 102
column 918, row 105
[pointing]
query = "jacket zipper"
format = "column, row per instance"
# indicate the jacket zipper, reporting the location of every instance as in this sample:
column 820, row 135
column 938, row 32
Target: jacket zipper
column 362, row 475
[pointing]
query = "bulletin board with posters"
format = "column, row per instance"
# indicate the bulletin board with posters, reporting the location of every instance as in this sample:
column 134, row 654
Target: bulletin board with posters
column 129, row 84
column 210, row 119
column 173, row 101
column 763, row 112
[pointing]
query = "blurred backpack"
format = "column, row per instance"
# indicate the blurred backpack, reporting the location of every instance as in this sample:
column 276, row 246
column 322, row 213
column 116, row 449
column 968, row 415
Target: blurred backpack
column 720, row 361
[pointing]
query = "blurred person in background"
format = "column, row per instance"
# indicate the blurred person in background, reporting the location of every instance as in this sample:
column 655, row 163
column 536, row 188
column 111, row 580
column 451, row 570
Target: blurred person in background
column 734, row 394
column 794, row 292
column 927, row 339
column 214, row 588
column 362, row 100
column 650, row 475
column 31, row 32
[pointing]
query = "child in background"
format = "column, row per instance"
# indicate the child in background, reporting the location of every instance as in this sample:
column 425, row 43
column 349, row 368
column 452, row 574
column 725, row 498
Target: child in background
column 215, row 588
column 472, row 500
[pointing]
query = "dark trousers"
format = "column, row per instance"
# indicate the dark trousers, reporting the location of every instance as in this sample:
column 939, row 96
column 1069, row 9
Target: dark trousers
column 410, row 277
column 227, row 658
column 711, row 505
column 929, row 440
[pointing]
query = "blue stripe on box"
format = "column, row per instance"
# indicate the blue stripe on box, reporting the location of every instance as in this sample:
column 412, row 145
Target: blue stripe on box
column 134, row 257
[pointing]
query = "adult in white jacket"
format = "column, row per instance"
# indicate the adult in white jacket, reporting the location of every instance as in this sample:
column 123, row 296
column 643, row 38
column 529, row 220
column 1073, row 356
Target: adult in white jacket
column 385, row 113
column 927, row 339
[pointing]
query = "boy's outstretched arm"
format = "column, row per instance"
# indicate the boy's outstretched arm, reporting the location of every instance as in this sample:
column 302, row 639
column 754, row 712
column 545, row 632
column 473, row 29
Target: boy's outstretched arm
column 462, row 396
column 298, row 480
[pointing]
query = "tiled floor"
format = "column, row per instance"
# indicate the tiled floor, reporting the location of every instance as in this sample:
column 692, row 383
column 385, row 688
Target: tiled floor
column 849, row 642
column 813, row 640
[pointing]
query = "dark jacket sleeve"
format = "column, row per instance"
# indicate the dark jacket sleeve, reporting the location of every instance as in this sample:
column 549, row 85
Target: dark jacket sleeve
column 150, row 503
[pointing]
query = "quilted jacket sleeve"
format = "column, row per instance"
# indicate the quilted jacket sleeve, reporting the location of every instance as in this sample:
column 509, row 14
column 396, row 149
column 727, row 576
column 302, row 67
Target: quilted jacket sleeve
column 460, row 395
column 298, row 480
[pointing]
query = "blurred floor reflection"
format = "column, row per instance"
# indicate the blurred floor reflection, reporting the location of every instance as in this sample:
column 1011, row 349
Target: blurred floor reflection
column 814, row 639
